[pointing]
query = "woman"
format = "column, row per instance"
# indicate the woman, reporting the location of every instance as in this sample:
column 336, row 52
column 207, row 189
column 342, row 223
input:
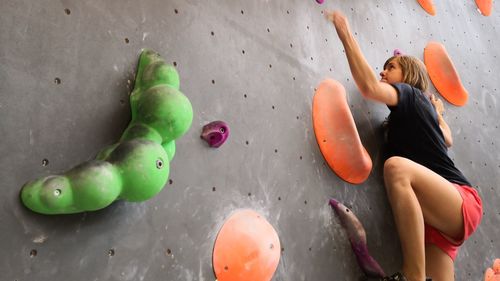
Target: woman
column 434, row 207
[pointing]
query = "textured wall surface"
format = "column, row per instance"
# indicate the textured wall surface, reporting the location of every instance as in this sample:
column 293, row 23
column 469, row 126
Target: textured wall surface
column 67, row 68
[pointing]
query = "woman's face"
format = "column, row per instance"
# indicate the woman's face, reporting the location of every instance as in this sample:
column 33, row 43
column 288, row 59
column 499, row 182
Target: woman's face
column 392, row 73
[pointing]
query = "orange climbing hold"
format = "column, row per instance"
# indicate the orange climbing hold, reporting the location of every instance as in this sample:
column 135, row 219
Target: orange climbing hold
column 484, row 6
column 443, row 74
column 337, row 135
column 247, row 248
column 428, row 6
column 493, row 274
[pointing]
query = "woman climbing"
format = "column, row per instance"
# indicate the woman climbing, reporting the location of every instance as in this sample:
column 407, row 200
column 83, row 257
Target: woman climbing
column 434, row 207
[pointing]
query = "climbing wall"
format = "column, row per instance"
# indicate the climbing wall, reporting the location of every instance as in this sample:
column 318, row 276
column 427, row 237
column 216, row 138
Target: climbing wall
column 67, row 69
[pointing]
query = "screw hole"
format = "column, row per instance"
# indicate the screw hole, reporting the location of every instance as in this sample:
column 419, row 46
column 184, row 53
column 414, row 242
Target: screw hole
column 45, row 162
column 170, row 181
column 127, row 41
column 111, row 252
column 67, row 11
column 159, row 164
column 33, row 253
column 57, row 80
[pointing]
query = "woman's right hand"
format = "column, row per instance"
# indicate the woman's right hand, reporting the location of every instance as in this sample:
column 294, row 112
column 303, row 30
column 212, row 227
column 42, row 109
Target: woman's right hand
column 340, row 22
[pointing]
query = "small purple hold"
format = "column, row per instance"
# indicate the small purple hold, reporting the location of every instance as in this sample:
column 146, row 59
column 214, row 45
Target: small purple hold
column 320, row 1
column 215, row 133
column 398, row 52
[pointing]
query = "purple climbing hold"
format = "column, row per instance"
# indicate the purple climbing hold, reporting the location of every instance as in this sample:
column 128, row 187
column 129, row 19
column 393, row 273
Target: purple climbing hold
column 320, row 1
column 357, row 236
column 398, row 52
column 215, row 133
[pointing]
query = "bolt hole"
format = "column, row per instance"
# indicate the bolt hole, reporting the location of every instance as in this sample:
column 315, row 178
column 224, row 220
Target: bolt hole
column 275, row 151
column 175, row 63
column 249, row 194
column 246, row 142
column 57, row 80
column 127, row 41
column 33, row 253
column 111, row 252
column 212, row 33
column 159, row 164
column 213, row 189
column 222, row 130
column 213, row 81
column 169, row 251
column 67, row 11
column 57, row 192
column 45, row 162
column 242, row 12
column 226, row 268
column 176, row 11
column 279, row 198
column 170, row 181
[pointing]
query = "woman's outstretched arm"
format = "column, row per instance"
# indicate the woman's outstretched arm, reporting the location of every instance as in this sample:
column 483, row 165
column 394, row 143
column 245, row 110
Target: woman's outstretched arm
column 365, row 78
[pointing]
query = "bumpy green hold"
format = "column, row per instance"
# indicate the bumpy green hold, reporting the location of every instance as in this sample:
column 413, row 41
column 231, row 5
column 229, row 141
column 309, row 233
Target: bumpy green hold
column 137, row 167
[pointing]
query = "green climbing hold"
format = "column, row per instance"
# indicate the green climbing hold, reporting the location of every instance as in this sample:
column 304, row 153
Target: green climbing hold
column 137, row 167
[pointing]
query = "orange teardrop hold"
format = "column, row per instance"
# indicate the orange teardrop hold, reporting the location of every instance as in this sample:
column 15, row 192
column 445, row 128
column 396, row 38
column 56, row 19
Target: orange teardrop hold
column 443, row 74
column 247, row 248
column 428, row 6
column 336, row 133
column 484, row 6
column 493, row 274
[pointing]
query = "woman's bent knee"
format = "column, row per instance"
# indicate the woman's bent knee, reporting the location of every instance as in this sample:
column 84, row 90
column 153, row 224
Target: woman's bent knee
column 395, row 165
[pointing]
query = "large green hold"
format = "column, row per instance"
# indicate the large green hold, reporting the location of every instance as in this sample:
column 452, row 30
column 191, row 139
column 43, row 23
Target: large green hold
column 137, row 167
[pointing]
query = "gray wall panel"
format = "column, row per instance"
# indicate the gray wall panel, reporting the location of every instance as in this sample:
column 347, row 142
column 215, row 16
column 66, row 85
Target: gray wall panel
column 265, row 58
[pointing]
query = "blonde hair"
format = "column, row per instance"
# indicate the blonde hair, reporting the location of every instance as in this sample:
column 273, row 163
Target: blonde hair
column 414, row 71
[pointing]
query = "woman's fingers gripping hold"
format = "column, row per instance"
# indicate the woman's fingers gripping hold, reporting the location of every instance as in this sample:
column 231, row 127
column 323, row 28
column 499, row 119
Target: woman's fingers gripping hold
column 340, row 22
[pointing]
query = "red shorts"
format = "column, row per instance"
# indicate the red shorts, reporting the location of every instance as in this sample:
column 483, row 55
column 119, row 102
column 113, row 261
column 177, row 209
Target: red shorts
column 472, row 211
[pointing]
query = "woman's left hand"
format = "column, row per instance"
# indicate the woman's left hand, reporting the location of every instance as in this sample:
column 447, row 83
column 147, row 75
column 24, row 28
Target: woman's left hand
column 438, row 104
